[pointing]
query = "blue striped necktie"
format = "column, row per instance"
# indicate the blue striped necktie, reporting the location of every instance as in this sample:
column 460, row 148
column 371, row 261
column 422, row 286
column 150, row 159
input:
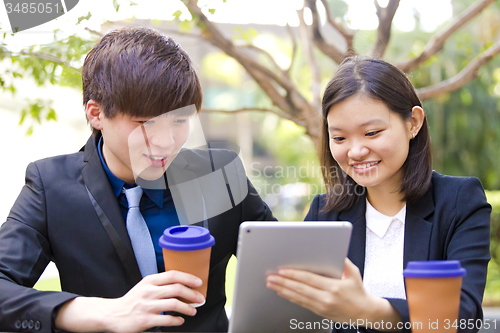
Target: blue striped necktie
column 139, row 233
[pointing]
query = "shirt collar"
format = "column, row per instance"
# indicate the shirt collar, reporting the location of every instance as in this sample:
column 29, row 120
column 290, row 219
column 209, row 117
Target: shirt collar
column 380, row 223
column 117, row 184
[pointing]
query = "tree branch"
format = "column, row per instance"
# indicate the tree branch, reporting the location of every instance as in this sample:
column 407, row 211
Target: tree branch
column 436, row 43
column 311, row 60
column 47, row 57
column 294, row 49
column 186, row 34
column 467, row 74
column 94, row 32
column 265, row 53
column 348, row 34
column 385, row 17
column 278, row 113
column 329, row 50
column 214, row 36
column 262, row 76
column 287, row 99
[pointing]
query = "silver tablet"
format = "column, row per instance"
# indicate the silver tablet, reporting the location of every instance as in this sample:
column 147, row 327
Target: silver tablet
column 263, row 247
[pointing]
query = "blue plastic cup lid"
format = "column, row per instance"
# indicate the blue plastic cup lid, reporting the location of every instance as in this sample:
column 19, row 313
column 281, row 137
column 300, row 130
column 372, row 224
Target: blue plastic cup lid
column 186, row 238
column 434, row 269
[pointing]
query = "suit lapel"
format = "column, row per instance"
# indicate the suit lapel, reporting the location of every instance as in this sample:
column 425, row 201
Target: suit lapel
column 418, row 229
column 356, row 215
column 106, row 206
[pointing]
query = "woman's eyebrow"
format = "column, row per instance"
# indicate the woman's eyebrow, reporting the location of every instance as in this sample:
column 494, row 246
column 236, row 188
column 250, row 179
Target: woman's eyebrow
column 373, row 121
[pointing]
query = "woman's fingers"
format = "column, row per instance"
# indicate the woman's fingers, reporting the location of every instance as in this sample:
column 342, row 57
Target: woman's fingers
column 314, row 280
column 293, row 287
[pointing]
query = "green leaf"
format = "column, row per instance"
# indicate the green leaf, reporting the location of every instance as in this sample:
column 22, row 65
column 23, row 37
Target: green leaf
column 186, row 26
column 29, row 132
column 16, row 74
column 211, row 11
column 466, row 97
column 253, row 33
column 51, row 115
column 116, row 5
column 81, row 18
column 177, row 14
column 247, row 35
column 35, row 109
column 23, row 116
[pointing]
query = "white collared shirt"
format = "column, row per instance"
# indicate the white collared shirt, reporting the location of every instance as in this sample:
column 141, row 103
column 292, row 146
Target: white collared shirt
column 383, row 273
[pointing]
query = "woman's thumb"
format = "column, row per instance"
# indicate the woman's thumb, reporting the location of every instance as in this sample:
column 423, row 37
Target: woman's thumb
column 349, row 269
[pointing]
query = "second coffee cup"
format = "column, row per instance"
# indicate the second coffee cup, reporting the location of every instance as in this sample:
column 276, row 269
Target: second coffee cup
column 187, row 248
column 433, row 293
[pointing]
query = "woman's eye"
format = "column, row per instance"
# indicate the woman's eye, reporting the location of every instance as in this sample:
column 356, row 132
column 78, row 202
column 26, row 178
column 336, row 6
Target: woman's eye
column 338, row 139
column 372, row 133
column 180, row 121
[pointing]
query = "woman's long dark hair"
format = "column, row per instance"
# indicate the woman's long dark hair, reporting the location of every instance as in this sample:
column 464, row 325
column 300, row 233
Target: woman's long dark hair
column 381, row 81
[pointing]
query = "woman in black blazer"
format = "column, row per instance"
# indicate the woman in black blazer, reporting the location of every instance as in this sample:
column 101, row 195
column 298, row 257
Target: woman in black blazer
column 376, row 163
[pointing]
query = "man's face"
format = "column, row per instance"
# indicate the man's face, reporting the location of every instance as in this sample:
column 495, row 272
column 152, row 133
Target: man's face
column 144, row 147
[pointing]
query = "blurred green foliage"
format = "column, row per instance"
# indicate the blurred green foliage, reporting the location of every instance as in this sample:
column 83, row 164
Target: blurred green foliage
column 492, row 292
column 464, row 124
column 57, row 63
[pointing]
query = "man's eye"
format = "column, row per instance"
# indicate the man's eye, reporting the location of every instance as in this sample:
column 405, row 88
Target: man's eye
column 146, row 122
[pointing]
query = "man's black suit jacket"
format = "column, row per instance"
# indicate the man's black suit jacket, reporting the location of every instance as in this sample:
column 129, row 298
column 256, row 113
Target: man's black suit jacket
column 450, row 222
column 68, row 213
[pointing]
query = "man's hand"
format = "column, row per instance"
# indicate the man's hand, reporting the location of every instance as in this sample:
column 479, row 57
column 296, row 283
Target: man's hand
column 137, row 310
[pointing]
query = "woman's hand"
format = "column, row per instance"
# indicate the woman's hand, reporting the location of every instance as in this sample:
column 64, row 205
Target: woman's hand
column 341, row 300
column 137, row 310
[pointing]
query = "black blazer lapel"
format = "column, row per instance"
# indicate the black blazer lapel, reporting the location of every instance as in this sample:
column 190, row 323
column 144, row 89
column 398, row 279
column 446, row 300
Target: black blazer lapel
column 356, row 215
column 418, row 229
column 106, row 207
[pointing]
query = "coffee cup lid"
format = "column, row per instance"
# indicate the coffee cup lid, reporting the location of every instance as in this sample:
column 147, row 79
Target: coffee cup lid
column 434, row 269
column 186, row 238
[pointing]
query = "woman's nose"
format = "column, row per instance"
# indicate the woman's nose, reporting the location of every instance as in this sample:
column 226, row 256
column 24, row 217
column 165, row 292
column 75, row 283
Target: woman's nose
column 358, row 151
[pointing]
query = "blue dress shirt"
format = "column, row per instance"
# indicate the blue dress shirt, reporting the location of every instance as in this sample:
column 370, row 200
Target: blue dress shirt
column 157, row 208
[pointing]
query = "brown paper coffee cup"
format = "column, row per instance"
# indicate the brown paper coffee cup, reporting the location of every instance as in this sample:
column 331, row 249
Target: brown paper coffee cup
column 187, row 249
column 433, row 293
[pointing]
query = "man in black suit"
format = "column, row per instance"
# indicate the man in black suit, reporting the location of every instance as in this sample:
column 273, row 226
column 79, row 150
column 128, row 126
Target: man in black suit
column 140, row 93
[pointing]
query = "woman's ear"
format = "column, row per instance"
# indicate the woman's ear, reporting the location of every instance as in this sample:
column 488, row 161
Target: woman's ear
column 416, row 121
column 94, row 114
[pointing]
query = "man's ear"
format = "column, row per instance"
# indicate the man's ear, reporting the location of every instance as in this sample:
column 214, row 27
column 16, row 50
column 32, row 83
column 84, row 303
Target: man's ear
column 95, row 114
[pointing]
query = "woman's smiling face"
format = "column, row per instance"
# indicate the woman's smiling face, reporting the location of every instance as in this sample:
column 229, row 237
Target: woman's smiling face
column 369, row 141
